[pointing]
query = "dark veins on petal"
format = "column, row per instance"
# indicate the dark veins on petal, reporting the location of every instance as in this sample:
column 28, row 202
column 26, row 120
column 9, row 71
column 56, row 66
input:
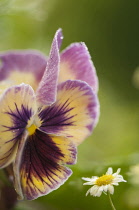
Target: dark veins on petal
column 19, row 119
column 40, row 160
column 57, row 115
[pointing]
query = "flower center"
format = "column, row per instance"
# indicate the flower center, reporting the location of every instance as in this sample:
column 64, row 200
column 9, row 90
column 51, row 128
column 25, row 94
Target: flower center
column 32, row 129
column 104, row 180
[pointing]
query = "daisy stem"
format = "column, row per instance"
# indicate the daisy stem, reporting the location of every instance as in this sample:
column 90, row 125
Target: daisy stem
column 112, row 205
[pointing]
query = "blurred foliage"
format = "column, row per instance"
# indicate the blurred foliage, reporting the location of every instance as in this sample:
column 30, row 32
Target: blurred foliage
column 110, row 29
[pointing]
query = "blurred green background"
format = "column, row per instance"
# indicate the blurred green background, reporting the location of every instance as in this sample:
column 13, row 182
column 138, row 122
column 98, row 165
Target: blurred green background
column 110, row 29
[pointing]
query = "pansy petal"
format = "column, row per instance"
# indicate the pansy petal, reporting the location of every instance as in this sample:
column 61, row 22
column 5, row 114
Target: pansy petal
column 17, row 105
column 40, row 164
column 74, row 114
column 59, row 37
column 76, row 64
column 22, row 66
column 46, row 92
column 16, row 165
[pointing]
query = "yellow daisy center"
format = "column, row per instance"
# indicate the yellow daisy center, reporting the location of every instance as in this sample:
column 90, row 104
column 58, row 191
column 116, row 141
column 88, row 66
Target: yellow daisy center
column 104, row 180
column 32, row 129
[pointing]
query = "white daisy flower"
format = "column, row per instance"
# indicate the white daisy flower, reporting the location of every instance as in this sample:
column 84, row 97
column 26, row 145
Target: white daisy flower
column 104, row 183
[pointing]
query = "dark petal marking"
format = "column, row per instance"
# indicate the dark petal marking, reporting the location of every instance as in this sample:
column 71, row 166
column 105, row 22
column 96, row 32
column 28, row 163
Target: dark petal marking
column 56, row 115
column 40, row 167
column 19, row 119
column 43, row 170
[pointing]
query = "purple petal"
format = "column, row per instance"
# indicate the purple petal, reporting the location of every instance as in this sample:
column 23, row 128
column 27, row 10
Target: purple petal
column 74, row 114
column 46, row 92
column 59, row 37
column 22, row 61
column 76, row 64
column 39, row 164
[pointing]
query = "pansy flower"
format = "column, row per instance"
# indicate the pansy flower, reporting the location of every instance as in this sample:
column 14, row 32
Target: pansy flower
column 48, row 106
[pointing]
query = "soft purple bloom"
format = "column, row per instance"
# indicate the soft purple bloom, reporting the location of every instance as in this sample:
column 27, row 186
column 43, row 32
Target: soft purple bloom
column 48, row 106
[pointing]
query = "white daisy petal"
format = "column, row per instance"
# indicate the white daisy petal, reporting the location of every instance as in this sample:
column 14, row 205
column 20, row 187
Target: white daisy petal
column 118, row 170
column 115, row 175
column 86, row 179
column 99, row 192
column 88, row 183
column 94, row 177
column 119, row 176
column 105, row 188
column 101, row 188
column 111, row 189
column 88, row 191
column 116, row 180
column 109, row 171
column 94, row 190
column 115, row 183
column 119, row 180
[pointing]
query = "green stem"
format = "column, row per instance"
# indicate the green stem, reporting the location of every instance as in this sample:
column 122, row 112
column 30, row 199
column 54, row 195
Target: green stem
column 112, row 205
